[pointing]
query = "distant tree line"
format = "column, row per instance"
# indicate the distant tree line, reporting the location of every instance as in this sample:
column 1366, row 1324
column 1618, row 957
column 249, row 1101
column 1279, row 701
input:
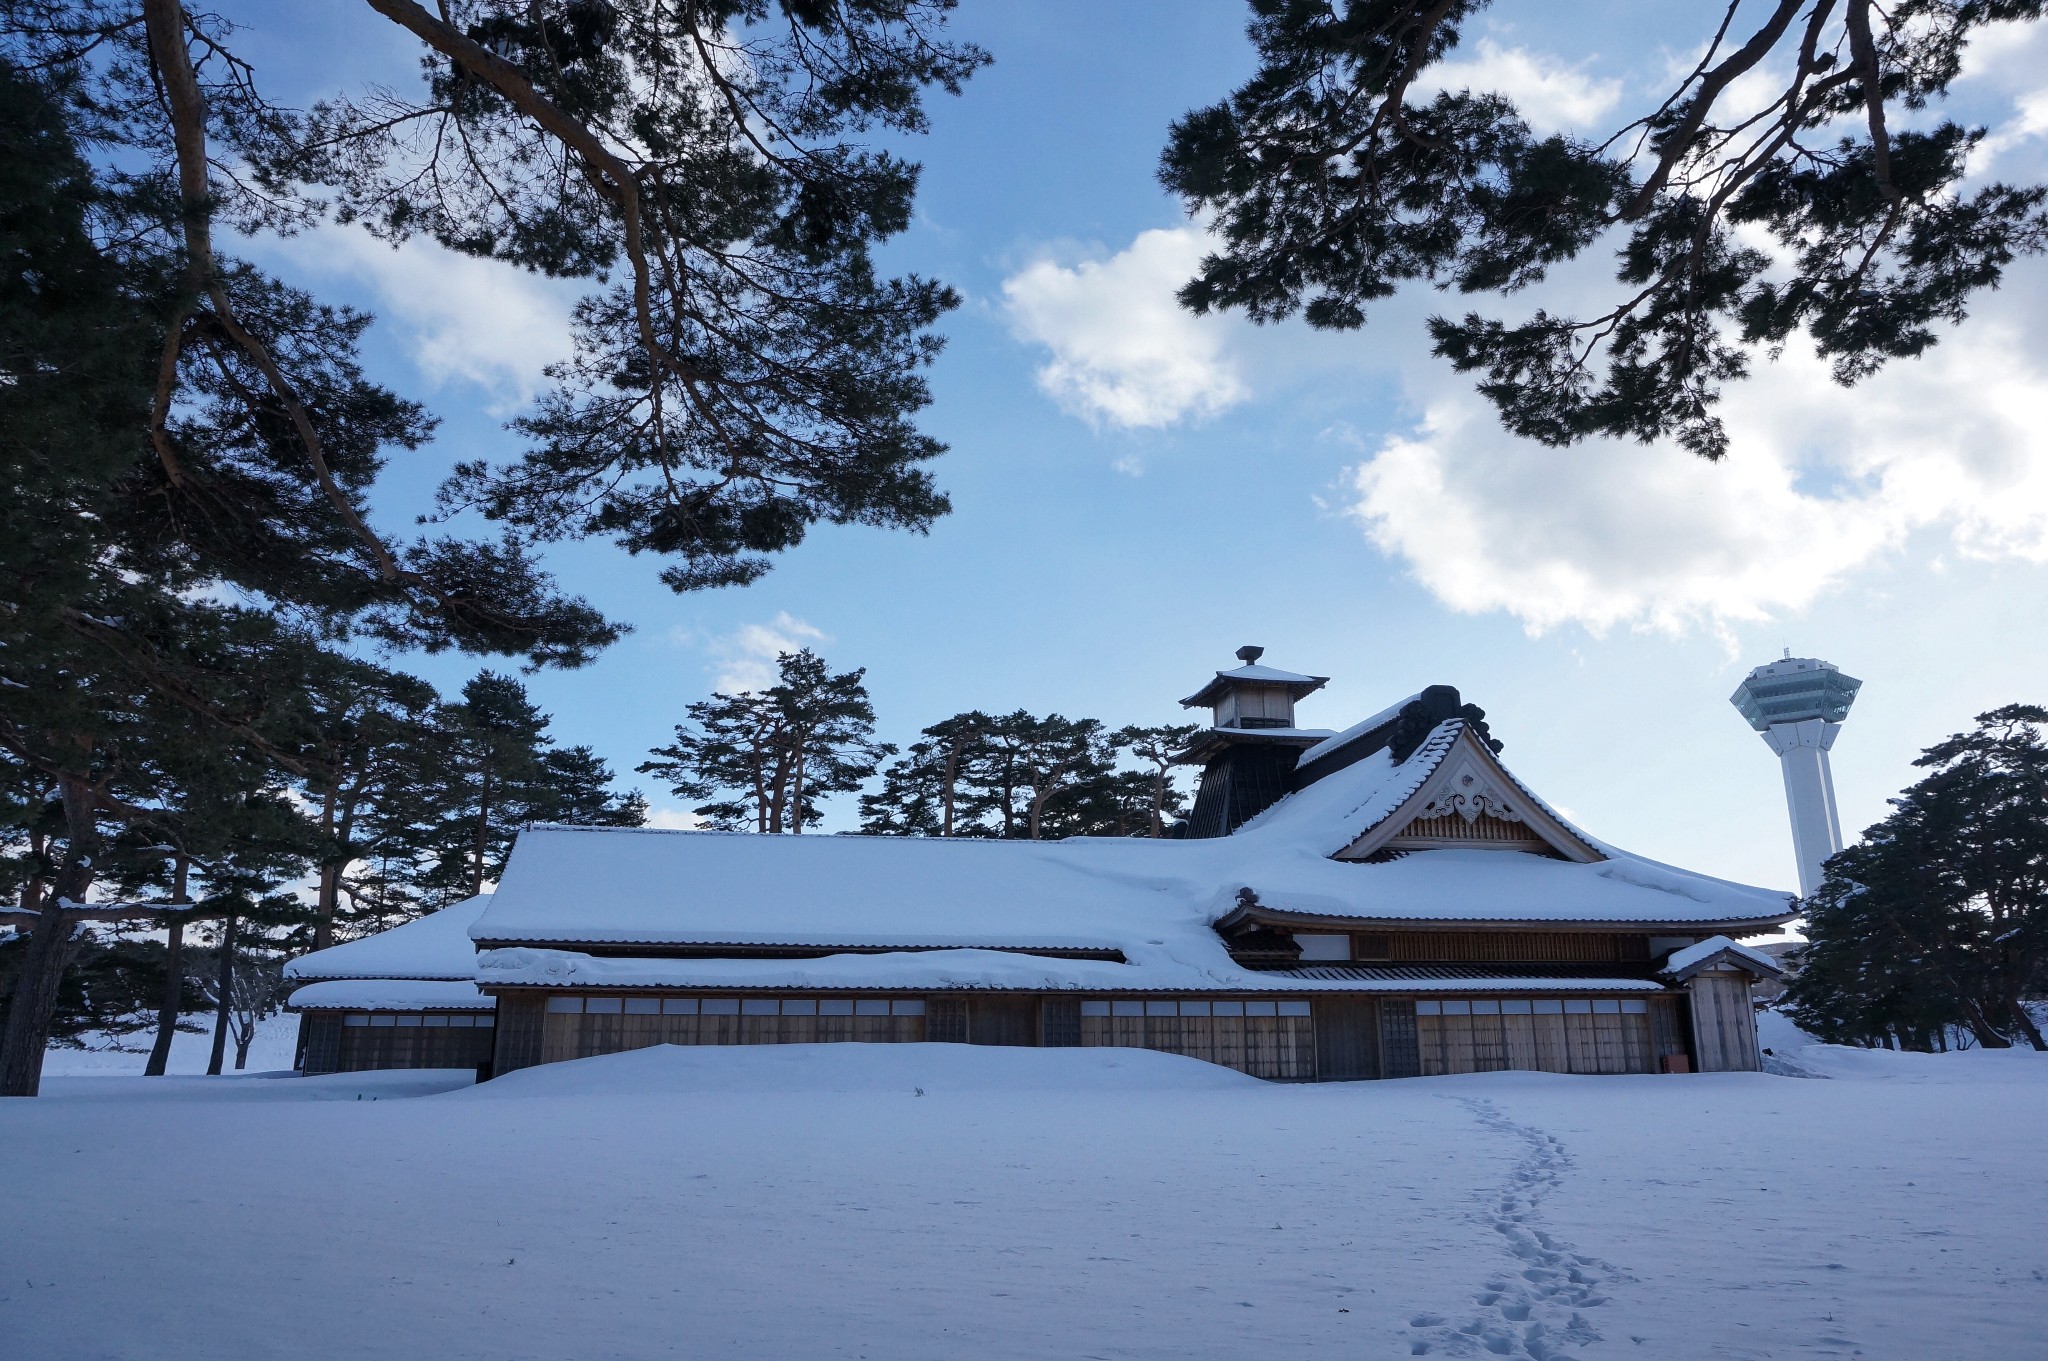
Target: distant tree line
column 761, row 760
column 402, row 804
column 1936, row 923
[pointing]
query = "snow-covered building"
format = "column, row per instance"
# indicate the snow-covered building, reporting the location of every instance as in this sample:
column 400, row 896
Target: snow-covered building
column 403, row 998
column 1385, row 901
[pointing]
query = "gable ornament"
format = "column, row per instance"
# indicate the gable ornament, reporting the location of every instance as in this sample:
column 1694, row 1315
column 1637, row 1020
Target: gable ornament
column 1471, row 792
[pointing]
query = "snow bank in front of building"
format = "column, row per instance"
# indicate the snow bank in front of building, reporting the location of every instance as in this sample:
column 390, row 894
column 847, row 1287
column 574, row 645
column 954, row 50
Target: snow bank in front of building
column 902, row 1069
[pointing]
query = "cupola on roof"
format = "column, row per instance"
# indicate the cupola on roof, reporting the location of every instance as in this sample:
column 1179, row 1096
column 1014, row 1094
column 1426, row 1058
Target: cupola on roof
column 1252, row 674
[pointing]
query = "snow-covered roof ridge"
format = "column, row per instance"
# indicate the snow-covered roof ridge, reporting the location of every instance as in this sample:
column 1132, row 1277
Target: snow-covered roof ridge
column 1684, row 963
column 1338, row 741
column 1346, row 804
column 434, row 946
column 568, row 887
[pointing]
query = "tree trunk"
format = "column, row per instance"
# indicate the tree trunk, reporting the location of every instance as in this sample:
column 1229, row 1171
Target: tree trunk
column 483, row 834
column 226, row 986
column 52, row 945
column 952, row 779
column 1988, row 1035
column 243, row 1039
column 167, row 1011
column 174, row 974
column 328, row 898
column 2026, row 1025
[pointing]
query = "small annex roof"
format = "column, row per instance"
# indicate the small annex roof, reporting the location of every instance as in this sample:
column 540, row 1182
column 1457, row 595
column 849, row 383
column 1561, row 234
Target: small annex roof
column 1254, row 674
column 390, row 994
column 1683, row 964
column 434, row 946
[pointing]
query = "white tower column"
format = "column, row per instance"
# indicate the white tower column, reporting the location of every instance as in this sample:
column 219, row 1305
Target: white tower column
column 1797, row 705
column 1802, row 750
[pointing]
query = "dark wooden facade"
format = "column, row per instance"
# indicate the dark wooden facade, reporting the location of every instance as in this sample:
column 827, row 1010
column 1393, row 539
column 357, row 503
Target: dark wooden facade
column 362, row 1041
column 1330, row 1037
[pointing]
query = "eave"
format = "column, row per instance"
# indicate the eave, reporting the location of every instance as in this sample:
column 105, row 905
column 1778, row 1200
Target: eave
column 702, row 949
column 1316, row 921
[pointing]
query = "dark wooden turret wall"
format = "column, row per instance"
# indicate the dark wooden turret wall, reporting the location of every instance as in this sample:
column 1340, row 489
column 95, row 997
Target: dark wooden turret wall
column 1240, row 783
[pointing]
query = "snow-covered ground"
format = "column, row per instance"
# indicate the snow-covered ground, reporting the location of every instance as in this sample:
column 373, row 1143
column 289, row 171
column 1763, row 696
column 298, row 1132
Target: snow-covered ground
column 937, row 1201
column 112, row 1054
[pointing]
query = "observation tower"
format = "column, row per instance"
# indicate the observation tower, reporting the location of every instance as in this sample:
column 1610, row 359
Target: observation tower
column 1797, row 705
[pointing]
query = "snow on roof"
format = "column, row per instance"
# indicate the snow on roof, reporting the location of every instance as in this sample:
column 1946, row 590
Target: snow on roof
column 435, row 946
column 1162, row 968
column 1147, row 898
column 1338, row 741
column 1693, row 958
column 1255, row 674
column 390, row 994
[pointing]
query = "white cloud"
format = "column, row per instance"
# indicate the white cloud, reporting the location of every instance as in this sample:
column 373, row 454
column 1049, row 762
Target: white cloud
column 460, row 318
column 674, row 819
column 1124, row 352
column 1821, row 481
column 1551, row 95
column 2029, row 120
column 745, row 658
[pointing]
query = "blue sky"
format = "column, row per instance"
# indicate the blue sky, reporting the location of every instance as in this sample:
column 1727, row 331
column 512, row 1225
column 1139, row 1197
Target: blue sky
column 1138, row 492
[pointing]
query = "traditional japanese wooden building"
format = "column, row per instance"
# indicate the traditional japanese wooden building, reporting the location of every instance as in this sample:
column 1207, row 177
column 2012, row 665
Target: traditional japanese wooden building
column 1386, row 901
column 403, row 998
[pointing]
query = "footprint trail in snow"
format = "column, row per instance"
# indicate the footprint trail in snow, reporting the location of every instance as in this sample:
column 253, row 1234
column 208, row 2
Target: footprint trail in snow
column 1534, row 1307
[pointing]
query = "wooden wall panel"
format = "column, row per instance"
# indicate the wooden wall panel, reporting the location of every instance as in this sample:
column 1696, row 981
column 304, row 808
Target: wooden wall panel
column 1059, row 1020
column 1518, row 1033
column 320, row 1042
column 1008, row 1021
column 1347, row 1038
column 1667, row 1035
column 521, row 1019
column 1516, row 947
column 1489, row 1043
column 945, row 1020
column 1400, row 1055
column 1724, row 1023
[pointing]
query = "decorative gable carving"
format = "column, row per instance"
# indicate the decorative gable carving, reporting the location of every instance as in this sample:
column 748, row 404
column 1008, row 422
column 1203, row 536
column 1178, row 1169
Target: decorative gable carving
column 1469, row 801
column 1462, row 787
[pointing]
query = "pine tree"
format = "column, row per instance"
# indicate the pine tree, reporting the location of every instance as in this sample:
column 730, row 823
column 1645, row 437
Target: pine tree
column 1155, row 748
column 1020, row 775
column 933, row 789
column 1332, row 184
column 498, row 769
column 763, row 759
column 370, row 753
column 178, row 427
column 1939, row 916
column 1036, row 762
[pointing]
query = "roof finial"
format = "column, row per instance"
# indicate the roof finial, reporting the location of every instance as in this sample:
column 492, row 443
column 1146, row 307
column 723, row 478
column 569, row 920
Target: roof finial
column 1249, row 654
column 1788, row 654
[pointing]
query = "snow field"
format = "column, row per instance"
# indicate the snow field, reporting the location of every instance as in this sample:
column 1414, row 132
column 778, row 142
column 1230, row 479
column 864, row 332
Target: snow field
column 806, row 1201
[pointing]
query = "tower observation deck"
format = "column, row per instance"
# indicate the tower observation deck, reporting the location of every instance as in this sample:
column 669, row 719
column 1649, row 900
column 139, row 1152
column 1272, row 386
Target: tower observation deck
column 1797, row 705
